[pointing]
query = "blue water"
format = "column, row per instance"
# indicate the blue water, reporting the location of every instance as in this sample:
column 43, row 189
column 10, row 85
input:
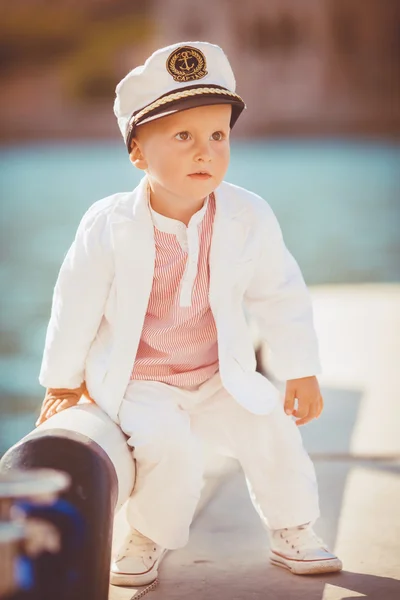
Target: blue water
column 338, row 204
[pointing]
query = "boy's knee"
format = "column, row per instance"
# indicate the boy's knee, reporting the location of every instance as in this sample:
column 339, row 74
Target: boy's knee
column 167, row 439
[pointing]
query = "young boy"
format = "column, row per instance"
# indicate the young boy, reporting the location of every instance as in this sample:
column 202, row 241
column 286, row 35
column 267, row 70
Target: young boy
column 148, row 320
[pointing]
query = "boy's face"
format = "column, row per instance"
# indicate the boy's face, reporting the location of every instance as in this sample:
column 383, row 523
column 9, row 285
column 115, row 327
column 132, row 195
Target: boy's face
column 186, row 154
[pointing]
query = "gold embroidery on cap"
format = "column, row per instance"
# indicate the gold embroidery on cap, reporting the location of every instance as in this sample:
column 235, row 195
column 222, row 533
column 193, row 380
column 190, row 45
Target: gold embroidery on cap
column 187, row 64
column 179, row 96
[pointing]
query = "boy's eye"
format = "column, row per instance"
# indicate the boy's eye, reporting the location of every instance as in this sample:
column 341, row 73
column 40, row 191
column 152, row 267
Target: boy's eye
column 217, row 136
column 183, row 136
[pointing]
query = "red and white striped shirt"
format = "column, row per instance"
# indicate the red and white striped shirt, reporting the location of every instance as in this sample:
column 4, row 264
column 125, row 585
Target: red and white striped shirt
column 178, row 345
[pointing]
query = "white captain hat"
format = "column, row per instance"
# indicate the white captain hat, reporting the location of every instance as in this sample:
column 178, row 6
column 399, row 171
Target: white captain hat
column 172, row 79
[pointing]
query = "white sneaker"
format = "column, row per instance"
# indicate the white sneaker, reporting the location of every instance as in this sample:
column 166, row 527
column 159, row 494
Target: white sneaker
column 302, row 552
column 137, row 561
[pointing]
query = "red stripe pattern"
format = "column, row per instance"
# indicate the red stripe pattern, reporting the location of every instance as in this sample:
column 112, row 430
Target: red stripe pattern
column 178, row 345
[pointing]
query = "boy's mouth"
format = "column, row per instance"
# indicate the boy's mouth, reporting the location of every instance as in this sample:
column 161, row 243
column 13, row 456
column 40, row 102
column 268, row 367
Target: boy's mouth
column 200, row 175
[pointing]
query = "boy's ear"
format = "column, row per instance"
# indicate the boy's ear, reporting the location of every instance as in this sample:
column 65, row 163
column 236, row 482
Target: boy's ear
column 136, row 156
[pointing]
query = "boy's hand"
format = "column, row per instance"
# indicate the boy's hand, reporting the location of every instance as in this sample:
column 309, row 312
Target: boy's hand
column 310, row 401
column 58, row 399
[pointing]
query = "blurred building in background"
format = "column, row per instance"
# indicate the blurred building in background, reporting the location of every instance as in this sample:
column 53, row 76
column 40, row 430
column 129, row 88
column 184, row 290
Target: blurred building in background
column 303, row 66
column 329, row 66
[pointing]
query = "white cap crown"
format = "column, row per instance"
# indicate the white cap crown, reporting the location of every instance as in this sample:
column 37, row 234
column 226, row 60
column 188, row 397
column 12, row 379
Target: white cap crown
column 170, row 75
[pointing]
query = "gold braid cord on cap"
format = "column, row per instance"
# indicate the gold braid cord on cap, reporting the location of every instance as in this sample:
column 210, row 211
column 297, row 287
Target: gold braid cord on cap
column 180, row 96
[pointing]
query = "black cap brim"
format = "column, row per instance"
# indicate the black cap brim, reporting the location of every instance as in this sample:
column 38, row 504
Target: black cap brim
column 194, row 101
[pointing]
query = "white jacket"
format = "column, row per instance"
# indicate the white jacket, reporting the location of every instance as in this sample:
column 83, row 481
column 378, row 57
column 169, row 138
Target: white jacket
column 102, row 291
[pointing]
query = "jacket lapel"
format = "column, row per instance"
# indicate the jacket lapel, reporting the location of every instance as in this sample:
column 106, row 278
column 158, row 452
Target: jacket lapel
column 227, row 242
column 134, row 253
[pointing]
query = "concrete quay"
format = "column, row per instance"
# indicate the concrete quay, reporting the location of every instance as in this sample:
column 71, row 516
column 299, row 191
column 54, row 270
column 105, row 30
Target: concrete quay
column 355, row 445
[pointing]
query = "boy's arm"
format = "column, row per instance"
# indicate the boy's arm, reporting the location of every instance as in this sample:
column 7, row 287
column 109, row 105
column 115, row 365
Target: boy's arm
column 278, row 299
column 78, row 303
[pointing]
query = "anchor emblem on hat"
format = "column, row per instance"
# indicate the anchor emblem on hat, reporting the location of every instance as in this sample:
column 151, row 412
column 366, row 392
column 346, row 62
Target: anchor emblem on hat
column 184, row 59
column 187, row 64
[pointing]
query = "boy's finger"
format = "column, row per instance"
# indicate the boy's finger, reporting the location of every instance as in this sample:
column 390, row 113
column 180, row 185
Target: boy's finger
column 305, row 420
column 41, row 419
column 320, row 406
column 42, row 416
column 301, row 412
column 312, row 413
column 289, row 402
column 64, row 404
column 43, row 411
column 49, row 401
column 52, row 409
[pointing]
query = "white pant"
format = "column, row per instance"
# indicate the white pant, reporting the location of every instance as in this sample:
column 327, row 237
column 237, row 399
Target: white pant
column 167, row 427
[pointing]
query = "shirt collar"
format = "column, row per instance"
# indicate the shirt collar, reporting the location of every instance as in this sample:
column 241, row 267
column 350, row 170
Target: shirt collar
column 168, row 225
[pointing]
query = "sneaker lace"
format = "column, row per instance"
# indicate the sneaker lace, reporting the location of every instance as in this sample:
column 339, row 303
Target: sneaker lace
column 301, row 539
column 143, row 545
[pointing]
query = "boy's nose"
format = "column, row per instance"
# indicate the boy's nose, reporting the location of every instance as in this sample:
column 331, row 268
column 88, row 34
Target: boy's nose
column 202, row 153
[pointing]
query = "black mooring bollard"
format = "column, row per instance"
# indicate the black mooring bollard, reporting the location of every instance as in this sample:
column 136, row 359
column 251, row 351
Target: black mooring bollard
column 93, row 493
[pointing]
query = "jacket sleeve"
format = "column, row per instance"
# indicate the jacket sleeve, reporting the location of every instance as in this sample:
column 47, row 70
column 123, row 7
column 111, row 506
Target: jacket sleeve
column 279, row 301
column 78, row 303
